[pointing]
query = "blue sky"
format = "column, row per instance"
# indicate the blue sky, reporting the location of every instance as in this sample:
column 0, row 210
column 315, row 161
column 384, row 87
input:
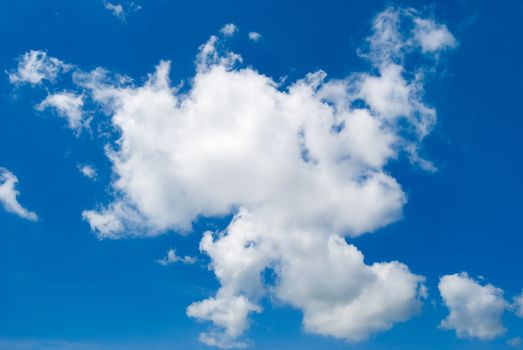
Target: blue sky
column 67, row 282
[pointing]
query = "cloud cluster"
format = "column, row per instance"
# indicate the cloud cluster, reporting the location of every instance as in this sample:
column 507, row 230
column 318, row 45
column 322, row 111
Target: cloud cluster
column 9, row 194
column 34, row 67
column 301, row 169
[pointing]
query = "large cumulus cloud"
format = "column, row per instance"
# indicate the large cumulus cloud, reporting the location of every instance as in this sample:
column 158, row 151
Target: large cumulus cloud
column 301, row 169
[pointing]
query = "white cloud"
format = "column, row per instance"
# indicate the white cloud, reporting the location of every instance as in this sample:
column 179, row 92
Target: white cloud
column 475, row 310
column 301, row 170
column 281, row 128
column 517, row 305
column 172, row 258
column 35, row 66
column 121, row 12
column 9, row 194
column 431, row 36
column 229, row 29
column 68, row 106
column 88, row 171
column 254, row 36
column 514, row 342
column 116, row 9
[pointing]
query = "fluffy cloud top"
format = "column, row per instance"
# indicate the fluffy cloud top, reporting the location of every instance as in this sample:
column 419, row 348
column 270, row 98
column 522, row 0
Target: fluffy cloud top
column 301, row 169
column 235, row 140
column 68, row 106
column 35, row 66
column 475, row 311
column 261, row 126
column 9, row 194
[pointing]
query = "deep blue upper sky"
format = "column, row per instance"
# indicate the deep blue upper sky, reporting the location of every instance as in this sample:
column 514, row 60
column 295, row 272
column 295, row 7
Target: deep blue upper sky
column 58, row 282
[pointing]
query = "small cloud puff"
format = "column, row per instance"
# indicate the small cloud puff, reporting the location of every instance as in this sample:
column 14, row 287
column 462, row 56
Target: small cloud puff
column 9, row 194
column 432, row 36
column 116, row 9
column 254, row 36
column 233, row 140
column 88, row 171
column 229, row 29
column 475, row 310
column 172, row 258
